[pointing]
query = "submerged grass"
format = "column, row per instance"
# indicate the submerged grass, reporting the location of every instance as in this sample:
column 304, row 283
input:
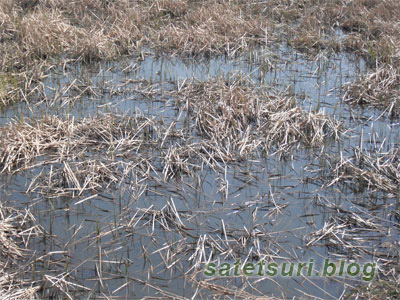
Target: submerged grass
column 217, row 123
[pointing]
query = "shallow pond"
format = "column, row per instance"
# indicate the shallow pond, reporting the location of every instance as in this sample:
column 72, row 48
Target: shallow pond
column 150, row 235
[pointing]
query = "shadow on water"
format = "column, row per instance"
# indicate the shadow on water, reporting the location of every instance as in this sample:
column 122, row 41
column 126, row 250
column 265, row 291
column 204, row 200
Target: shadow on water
column 152, row 238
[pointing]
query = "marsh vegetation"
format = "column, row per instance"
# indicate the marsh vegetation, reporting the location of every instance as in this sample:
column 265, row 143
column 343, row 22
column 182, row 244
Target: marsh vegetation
column 140, row 140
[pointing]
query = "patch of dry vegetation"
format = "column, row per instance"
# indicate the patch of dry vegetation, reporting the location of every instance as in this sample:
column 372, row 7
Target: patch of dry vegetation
column 375, row 33
column 22, row 142
column 17, row 228
column 77, row 157
column 95, row 29
column 378, row 290
column 91, row 32
column 241, row 118
column 225, row 122
column 371, row 170
column 33, row 35
column 106, row 29
column 211, row 28
column 380, row 88
column 369, row 26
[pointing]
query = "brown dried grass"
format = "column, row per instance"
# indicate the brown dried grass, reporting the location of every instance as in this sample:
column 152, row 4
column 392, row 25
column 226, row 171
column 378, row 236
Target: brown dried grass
column 96, row 29
column 379, row 88
column 371, row 170
column 241, row 118
column 211, row 28
column 17, row 228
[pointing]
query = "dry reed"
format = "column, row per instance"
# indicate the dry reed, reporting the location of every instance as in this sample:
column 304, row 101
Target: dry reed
column 17, row 229
column 241, row 118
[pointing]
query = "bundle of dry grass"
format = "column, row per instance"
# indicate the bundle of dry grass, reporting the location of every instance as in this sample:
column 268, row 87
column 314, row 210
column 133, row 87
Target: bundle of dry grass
column 239, row 118
column 374, row 24
column 17, row 228
column 88, row 178
column 50, row 31
column 374, row 34
column 370, row 170
column 60, row 140
column 76, row 158
column 350, row 233
column 380, row 88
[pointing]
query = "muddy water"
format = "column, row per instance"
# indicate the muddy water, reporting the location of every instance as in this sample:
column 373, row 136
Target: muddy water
column 267, row 209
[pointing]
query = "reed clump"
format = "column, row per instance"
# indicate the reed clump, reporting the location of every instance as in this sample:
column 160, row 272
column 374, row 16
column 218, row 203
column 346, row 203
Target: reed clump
column 52, row 31
column 371, row 170
column 242, row 118
column 99, row 29
column 211, row 28
column 17, row 229
column 33, row 32
column 374, row 34
column 379, row 88
column 77, row 158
